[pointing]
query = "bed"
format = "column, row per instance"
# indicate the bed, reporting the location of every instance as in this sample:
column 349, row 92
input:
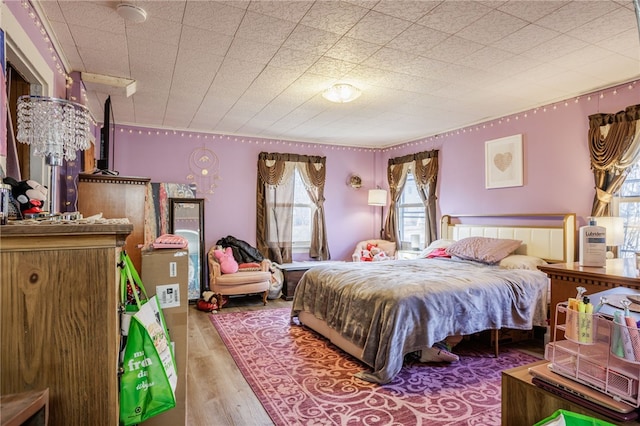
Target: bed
column 381, row 311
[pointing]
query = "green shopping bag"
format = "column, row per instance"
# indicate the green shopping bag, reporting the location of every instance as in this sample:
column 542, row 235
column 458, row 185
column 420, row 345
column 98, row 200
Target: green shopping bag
column 149, row 379
column 569, row 418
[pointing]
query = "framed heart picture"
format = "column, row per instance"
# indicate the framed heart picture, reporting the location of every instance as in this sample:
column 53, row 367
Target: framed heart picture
column 503, row 162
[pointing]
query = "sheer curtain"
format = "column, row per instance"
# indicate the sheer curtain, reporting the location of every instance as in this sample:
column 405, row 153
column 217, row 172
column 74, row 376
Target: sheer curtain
column 275, row 203
column 424, row 166
column 614, row 143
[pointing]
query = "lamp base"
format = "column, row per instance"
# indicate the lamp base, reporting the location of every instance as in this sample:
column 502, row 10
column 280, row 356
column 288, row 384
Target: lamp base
column 53, row 190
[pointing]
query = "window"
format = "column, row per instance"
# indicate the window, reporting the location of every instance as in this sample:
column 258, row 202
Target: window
column 627, row 205
column 411, row 215
column 302, row 214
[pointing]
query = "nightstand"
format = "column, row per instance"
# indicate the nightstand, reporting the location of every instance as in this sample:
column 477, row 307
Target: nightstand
column 293, row 272
column 565, row 277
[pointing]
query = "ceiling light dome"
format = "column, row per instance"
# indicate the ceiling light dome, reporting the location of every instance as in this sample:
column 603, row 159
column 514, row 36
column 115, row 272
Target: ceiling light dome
column 341, row 93
column 132, row 13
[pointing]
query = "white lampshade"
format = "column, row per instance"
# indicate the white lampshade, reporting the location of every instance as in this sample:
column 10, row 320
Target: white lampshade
column 377, row 197
column 341, row 93
column 615, row 229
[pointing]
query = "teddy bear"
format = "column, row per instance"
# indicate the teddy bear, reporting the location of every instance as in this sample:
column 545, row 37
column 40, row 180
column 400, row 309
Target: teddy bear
column 28, row 194
column 228, row 264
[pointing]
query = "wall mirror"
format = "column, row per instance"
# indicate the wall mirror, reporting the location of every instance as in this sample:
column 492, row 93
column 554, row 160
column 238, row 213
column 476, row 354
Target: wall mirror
column 186, row 218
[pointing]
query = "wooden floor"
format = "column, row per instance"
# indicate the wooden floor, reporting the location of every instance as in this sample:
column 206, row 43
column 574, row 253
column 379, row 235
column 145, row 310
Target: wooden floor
column 217, row 393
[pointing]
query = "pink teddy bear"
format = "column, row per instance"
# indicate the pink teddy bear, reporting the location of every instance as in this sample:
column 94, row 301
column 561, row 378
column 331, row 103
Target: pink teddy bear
column 228, row 264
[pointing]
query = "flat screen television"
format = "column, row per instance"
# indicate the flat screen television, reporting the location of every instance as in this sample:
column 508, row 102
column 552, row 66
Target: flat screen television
column 105, row 161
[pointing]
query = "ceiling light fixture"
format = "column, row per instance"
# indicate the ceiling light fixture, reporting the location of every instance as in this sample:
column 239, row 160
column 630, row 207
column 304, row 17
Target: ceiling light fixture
column 341, row 93
column 131, row 13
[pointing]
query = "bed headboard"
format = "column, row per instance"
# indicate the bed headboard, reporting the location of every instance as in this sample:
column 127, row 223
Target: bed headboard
column 553, row 243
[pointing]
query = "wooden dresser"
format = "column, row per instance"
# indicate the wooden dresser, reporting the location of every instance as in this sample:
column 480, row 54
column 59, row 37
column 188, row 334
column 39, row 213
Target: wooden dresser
column 116, row 197
column 565, row 277
column 59, row 317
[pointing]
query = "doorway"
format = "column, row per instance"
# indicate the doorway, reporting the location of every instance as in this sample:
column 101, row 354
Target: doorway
column 17, row 86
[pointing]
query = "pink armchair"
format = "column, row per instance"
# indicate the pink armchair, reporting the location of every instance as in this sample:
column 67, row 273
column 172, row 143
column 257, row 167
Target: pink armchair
column 241, row 282
column 389, row 247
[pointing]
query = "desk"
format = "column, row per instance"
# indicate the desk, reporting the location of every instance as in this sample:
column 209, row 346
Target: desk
column 292, row 274
column 524, row 403
column 565, row 277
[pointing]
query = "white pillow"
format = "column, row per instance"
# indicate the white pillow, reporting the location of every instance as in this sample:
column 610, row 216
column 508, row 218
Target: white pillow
column 521, row 261
column 436, row 244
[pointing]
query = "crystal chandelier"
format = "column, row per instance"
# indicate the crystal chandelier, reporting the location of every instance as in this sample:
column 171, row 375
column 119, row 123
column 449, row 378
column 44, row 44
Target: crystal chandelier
column 56, row 129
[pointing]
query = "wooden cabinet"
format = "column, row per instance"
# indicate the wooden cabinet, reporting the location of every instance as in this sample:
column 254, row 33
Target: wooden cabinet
column 524, row 403
column 565, row 277
column 116, row 197
column 59, row 317
column 291, row 277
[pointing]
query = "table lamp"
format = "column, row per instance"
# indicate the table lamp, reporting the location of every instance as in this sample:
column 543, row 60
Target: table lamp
column 378, row 197
column 615, row 233
column 56, row 129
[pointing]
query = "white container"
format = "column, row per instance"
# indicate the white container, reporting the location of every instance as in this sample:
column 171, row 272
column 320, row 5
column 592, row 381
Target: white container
column 593, row 246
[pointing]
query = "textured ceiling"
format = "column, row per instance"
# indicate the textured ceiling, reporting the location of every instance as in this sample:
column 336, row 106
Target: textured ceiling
column 258, row 68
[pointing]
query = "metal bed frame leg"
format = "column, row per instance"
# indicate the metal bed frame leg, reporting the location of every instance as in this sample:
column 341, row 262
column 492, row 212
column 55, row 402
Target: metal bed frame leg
column 496, row 335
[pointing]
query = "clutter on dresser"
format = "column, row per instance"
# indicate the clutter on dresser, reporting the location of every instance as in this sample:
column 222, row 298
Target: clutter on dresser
column 601, row 344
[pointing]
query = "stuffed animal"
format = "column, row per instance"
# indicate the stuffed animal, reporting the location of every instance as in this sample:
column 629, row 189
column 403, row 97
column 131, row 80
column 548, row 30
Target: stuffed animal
column 372, row 253
column 380, row 255
column 28, row 193
column 365, row 256
column 228, row 264
column 208, row 303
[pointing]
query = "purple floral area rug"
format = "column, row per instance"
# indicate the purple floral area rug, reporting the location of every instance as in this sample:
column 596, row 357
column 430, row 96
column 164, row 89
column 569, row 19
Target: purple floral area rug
column 302, row 379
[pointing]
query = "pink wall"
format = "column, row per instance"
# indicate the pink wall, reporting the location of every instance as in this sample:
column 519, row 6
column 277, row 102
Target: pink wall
column 557, row 174
column 230, row 210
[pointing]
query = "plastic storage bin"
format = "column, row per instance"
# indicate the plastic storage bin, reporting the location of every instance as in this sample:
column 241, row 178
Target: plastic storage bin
column 595, row 363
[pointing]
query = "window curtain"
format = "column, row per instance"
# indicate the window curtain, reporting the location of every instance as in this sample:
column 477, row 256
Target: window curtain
column 614, row 144
column 275, row 203
column 426, row 176
column 424, row 166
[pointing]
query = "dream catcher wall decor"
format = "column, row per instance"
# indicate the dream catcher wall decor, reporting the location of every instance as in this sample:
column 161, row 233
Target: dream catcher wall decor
column 204, row 166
